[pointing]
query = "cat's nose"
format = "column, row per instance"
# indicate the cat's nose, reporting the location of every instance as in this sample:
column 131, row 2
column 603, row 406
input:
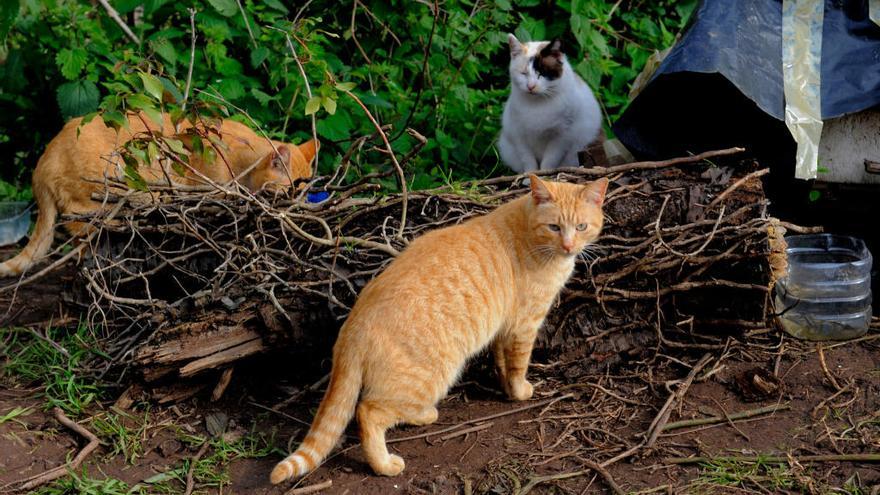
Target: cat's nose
column 531, row 86
column 568, row 248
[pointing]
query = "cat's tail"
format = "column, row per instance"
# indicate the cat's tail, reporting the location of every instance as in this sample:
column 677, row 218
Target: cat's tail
column 40, row 241
column 333, row 415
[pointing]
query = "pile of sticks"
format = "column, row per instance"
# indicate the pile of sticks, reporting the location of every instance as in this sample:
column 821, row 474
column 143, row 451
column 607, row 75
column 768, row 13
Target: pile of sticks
column 195, row 279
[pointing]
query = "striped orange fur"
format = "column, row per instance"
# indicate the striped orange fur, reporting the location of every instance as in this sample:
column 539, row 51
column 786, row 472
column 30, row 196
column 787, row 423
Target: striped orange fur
column 451, row 293
column 83, row 153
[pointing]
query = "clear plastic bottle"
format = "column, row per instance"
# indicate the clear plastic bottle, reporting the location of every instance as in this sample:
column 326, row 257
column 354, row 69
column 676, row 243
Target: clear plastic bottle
column 826, row 294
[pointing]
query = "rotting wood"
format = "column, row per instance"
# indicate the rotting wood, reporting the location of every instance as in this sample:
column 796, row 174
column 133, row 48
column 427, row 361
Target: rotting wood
column 223, row 357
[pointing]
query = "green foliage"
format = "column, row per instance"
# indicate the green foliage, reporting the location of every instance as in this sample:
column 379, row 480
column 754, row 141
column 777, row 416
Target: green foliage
column 444, row 75
column 54, row 362
column 82, row 484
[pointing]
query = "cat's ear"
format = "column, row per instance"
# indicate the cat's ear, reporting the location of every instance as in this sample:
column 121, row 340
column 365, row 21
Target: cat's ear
column 515, row 46
column 552, row 49
column 309, row 149
column 594, row 192
column 540, row 193
column 281, row 158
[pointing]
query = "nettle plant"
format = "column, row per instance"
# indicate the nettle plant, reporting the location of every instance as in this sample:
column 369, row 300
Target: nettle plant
column 439, row 67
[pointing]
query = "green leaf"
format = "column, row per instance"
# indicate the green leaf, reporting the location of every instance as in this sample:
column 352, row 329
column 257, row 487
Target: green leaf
column 815, row 195
column 165, row 49
column 197, row 147
column 152, row 85
column 71, row 62
column 261, row 96
column 313, row 105
column 171, row 91
column 336, row 127
column 133, row 178
column 531, row 30
column 152, row 152
column 166, row 476
column 329, row 104
column 275, row 4
column 226, row 8
column 77, row 98
column 114, row 119
column 176, row 145
column 9, row 10
column 345, row 86
column 231, row 89
column 258, row 55
column 179, row 168
column 371, row 100
column 142, row 103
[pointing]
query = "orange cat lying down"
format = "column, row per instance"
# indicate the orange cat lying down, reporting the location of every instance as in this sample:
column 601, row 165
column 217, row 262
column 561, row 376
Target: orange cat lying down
column 73, row 167
column 451, row 293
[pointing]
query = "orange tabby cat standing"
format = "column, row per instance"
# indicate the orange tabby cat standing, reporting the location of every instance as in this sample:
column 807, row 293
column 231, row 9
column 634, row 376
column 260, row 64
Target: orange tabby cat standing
column 78, row 159
column 451, row 293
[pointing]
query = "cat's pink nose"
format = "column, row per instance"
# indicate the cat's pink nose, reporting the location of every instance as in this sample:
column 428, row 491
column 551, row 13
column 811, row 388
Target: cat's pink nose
column 568, row 248
column 531, row 86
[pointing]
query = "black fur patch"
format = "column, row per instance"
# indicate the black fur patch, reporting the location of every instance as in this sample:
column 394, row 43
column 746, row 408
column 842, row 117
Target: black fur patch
column 548, row 63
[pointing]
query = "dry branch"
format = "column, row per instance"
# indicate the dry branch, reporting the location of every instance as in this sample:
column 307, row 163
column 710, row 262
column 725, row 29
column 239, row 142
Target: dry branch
column 204, row 276
column 60, row 471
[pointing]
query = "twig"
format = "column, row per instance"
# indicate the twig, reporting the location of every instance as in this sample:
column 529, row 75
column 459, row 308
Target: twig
column 776, row 459
column 827, row 400
column 659, row 422
column 721, row 419
column 736, row 185
column 190, row 481
column 609, row 171
column 305, row 79
column 670, row 248
column 480, row 419
column 466, row 431
column 821, row 353
column 401, row 177
column 115, row 16
column 222, row 383
column 192, row 58
column 311, row 388
column 533, row 482
column 60, row 471
column 311, row 488
column 435, row 9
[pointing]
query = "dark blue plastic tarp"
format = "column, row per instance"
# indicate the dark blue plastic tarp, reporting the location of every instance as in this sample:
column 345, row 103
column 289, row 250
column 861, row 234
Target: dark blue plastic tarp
column 740, row 42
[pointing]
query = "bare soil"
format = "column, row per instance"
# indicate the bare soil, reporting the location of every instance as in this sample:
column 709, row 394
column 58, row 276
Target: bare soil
column 579, row 418
column 594, row 424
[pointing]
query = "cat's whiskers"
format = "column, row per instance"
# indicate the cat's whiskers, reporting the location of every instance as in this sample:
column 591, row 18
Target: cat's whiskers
column 591, row 253
column 543, row 253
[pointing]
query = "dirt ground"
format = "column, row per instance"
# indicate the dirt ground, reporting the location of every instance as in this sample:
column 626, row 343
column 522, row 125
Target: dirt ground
column 590, row 418
column 582, row 433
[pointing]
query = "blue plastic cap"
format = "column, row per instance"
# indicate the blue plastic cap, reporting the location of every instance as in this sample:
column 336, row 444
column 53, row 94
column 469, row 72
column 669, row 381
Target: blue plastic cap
column 317, row 197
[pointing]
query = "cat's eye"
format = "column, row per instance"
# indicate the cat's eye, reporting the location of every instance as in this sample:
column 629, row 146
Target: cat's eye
column 553, row 227
column 581, row 227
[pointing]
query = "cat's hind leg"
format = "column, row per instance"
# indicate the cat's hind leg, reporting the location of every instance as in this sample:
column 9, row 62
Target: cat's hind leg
column 420, row 416
column 374, row 418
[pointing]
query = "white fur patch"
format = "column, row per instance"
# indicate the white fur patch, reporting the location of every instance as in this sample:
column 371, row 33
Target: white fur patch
column 300, row 464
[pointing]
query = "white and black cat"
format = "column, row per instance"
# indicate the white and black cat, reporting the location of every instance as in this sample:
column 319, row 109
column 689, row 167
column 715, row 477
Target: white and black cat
column 551, row 113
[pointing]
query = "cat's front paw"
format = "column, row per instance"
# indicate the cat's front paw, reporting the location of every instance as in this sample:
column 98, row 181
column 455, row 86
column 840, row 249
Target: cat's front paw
column 520, row 390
